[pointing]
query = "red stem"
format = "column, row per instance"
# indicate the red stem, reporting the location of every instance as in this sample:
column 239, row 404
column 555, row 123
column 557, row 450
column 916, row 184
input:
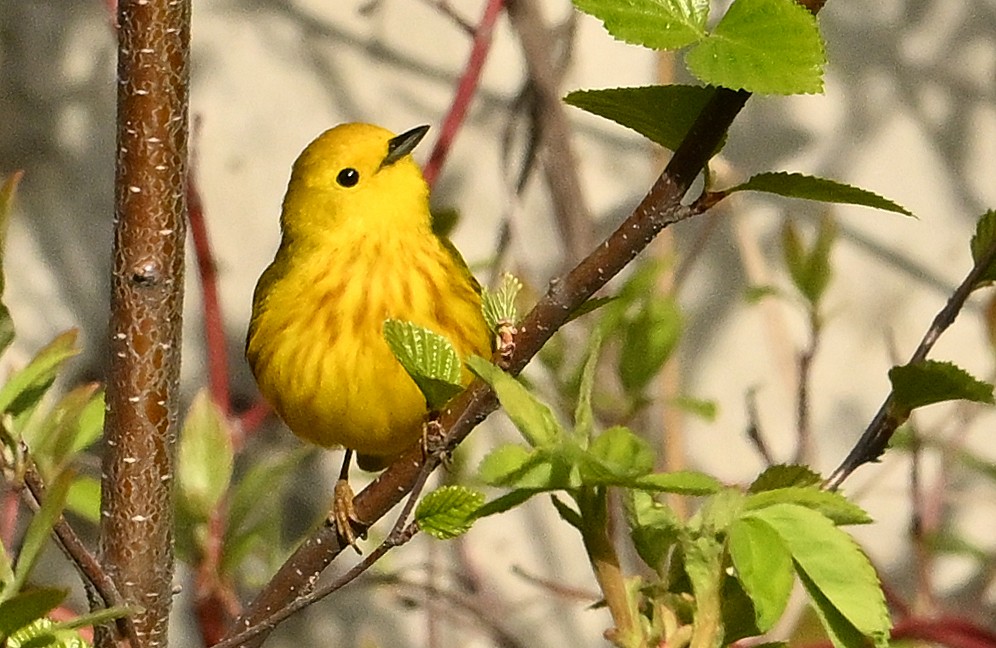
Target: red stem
column 214, row 327
column 465, row 90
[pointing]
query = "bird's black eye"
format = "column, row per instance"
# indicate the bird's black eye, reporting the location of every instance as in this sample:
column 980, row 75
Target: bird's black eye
column 348, row 177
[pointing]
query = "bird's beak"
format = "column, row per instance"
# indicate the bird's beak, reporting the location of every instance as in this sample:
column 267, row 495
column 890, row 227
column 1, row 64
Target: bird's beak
column 400, row 146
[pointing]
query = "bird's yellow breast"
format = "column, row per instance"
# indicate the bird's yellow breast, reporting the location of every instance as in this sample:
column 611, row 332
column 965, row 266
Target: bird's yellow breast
column 317, row 349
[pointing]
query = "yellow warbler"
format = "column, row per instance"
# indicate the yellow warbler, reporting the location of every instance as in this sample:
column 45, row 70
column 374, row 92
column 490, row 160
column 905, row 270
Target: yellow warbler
column 357, row 248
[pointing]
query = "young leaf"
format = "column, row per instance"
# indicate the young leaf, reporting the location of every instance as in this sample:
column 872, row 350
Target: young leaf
column 448, row 511
column 26, row 387
column 83, row 499
column 506, row 502
column 797, row 185
column 614, row 456
column 662, row 114
column 704, row 566
column 764, row 46
column 515, row 466
column 567, row 514
column 38, row 532
column 584, row 417
column 834, row 564
column 498, row 305
column 831, row 504
column 429, row 359
column 783, row 476
column 54, row 438
column 682, row 482
column 655, row 24
column 809, row 268
column 648, row 341
column 931, row 381
column 27, row 607
column 982, row 240
column 704, row 409
column 654, row 527
column 205, row 457
column 764, row 568
column 532, row 418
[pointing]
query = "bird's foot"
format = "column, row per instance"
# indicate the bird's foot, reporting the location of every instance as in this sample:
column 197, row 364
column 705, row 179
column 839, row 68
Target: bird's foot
column 343, row 515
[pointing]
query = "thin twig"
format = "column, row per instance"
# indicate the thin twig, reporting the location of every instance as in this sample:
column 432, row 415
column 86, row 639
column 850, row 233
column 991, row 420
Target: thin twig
column 872, row 443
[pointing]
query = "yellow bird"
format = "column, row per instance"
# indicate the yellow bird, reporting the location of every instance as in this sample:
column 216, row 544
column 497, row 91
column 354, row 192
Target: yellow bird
column 357, row 248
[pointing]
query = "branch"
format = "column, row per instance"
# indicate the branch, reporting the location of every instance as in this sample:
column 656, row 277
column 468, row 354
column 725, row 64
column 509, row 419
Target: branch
column 876, row 437
column 146, row 310
column 659, row 208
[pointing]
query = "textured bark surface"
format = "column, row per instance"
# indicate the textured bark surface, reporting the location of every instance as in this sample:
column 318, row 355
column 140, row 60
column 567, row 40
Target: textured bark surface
column 146, row 308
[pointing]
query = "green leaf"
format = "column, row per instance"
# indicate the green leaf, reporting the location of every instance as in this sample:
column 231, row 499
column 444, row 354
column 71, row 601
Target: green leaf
column 682, row 482
column 704, row 409
column 55, row 438
column 931, row 381
column 797, row 185
column 764, row 568
column 654, row 528
column 515, row 466
column 614, row 456
column 83, row 499
column 662, row 114
column 38, row 532
column 584, row 417
column 841, row 632
column 428, row 357
column 205, row 457
column 8, row 191
column 448, row 511
column 982, row 240
column 532, row 418
column 648, row 341
column 27, row 607
column 783, row 476
column 833, row 563
column 809, row 268
column 719, row 511
column 655, row 24
column 507, row 502
column 704, row 566
column 498, row 305
column 764, row 46
column 24, row 389
column 831, row 504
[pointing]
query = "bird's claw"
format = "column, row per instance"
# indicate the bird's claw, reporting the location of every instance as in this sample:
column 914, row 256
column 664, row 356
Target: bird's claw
column 343, row 515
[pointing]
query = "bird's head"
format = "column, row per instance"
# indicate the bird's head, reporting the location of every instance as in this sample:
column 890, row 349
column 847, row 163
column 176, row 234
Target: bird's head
column 356, row 176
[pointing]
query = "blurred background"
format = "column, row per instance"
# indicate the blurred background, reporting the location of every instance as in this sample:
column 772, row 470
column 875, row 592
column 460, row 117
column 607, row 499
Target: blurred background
column 909, row 112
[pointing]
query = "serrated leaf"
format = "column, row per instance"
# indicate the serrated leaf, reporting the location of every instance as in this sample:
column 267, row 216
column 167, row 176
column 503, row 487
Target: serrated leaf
column 764, row 568
column 28, row 606
column 531, row 417
column 841, row 632
column 83, row 499
column 205, row 457
column 649, row 339
column 614, row 456
column 831, row 504
column 682, row 482
column 448, row 511
column 38, row 532
column 984, row 238
column 498, row 305
column 24, row 389
column 797, row 185
column 428, row 357
column 718, row 512
column 763, row 46
column 931, row 381
column 655, row 24
column 834, row 564
column 662, row 114
column 783, row 476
